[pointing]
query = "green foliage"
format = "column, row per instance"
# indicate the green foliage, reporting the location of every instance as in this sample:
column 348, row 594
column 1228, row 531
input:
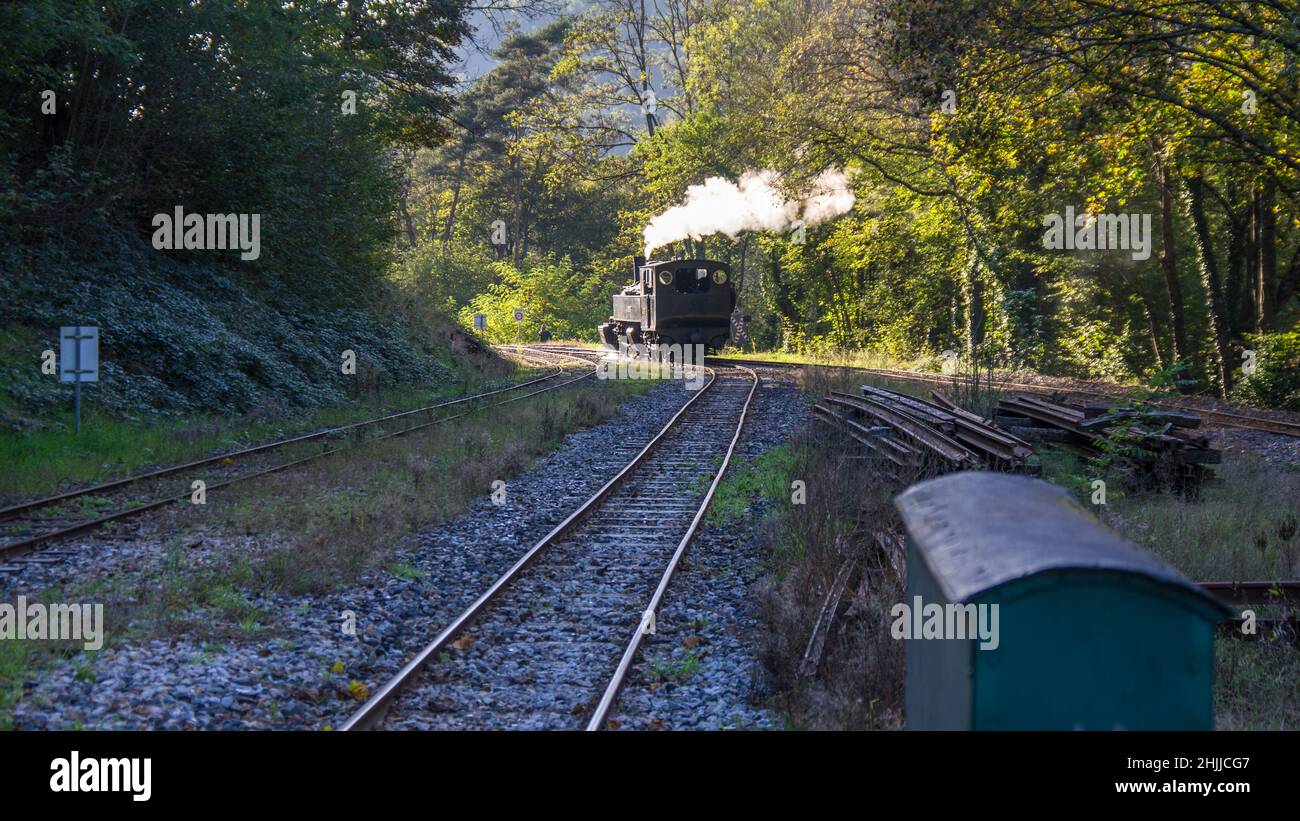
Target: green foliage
column 445, row 279
column 1276, row 381
column 214, row 107
column 766, row 477
column 677, row 667
column 551, row 292
column 1067, row 469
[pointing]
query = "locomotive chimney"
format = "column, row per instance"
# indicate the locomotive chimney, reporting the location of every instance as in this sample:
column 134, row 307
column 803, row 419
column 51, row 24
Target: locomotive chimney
column 637, row 262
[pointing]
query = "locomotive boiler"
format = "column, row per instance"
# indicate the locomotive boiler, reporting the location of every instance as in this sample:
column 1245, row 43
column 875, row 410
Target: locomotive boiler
column 673, row 302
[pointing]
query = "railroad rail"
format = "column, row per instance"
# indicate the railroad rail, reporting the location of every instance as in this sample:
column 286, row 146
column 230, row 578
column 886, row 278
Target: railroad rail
column 26, row 515
column 639, row 521
column 1254, row 592
column 1231, row 593
column 1223, row 418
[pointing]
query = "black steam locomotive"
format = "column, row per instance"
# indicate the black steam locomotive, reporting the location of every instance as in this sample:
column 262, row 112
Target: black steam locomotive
column 673, row 302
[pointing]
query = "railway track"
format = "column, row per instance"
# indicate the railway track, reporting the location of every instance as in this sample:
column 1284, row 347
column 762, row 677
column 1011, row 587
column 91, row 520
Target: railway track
column 29, row 526
column 1224, row 418
column 559, row 616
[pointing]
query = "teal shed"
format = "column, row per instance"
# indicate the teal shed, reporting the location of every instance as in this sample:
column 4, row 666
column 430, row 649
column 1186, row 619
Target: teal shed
column 1092, row 633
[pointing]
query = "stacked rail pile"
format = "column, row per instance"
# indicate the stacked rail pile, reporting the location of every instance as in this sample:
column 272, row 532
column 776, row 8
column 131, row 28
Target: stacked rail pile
column 1158, row 443
column 914, row 435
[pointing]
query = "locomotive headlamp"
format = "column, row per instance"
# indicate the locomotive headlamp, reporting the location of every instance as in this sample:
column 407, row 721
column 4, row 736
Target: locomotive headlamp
column 720, row 277
column 666, row 277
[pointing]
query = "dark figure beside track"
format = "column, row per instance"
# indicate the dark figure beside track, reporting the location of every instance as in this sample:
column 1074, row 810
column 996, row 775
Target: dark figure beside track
column 545, row 335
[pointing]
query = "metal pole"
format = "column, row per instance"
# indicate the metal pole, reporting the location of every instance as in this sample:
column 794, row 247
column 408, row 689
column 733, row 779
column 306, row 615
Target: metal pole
column 77, row 374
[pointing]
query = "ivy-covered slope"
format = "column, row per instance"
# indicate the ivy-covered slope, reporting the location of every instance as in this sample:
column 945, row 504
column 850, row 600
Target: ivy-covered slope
column 180, row 337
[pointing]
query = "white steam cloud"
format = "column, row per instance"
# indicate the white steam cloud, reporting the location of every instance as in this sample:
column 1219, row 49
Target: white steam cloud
column 719, row 206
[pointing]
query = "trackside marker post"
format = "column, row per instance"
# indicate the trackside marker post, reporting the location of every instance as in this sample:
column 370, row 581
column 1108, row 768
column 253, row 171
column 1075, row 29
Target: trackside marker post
column 78, row 359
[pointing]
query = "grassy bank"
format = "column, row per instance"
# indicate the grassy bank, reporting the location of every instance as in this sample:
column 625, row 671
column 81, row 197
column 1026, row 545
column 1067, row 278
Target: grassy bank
column 110, row 447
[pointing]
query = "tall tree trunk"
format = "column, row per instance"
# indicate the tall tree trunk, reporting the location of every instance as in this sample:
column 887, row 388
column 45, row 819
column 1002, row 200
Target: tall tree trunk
column 455, row 201
column 1238, row 265
column 404, row 198
column 973, row 296
column 406, row 220
column 644, row 65
column 1152, row 331
column 740, row 269
column 783, row 302
column 523, row 233
column 516, row 211
column 1169, row 263
column 1210, row 280
column 1266, row 266
column 1289, row 283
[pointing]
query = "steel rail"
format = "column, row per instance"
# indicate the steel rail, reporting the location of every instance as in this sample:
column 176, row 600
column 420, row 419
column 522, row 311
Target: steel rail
column 647, row 617
column 1226, row 418
column 580, row 354
column 1254, row 592
column 34, row 504
column 21, row 547
column 372, row 712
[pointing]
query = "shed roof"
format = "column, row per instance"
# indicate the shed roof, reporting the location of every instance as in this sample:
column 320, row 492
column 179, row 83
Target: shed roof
column 978, row 530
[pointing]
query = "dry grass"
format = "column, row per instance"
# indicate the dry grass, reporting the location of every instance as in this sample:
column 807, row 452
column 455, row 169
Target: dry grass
column 337, row 517
column 841, row 359
column 48, row 460
column 1245, row 529
column 859, row 682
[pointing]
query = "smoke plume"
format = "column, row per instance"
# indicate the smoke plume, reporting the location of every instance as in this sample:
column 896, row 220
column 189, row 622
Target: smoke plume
column 754, row 203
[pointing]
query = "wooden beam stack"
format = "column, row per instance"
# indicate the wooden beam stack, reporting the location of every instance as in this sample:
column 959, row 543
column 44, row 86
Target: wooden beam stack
column 1160, row 445
column 908, row 432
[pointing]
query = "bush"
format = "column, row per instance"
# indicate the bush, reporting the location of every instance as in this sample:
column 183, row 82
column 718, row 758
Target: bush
column 1276, row 381
column 570, row 303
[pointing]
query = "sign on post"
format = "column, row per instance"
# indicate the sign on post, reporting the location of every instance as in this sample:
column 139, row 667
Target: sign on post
column 78, row 358
column 480, row 321
column 519, row 314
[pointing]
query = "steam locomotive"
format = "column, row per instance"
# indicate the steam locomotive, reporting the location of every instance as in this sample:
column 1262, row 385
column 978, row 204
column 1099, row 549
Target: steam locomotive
column 673, row 302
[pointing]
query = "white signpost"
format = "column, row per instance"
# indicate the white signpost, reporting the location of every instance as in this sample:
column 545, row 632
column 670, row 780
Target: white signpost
column 78, row 358
column 519, row 314
column 480, row 321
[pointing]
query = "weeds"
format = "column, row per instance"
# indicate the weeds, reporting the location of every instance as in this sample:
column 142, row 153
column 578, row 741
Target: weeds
column 676, row 668
column 45, row 460
column 860, row 680
column 338, row 517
